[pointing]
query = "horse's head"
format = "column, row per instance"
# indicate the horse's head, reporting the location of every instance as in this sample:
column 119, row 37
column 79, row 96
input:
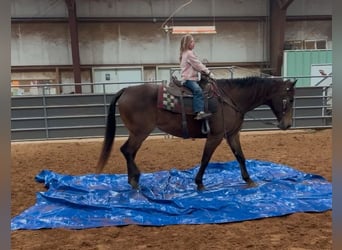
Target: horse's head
column 282, row 102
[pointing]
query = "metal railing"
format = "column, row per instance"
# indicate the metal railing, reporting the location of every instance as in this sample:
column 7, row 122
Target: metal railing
column 64, row 116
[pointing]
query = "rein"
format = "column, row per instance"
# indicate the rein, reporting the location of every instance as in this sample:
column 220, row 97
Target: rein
column 220, row 93
column 229, row 101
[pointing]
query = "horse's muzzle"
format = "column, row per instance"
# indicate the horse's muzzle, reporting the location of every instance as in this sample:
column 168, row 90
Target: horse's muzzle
column 284, row 126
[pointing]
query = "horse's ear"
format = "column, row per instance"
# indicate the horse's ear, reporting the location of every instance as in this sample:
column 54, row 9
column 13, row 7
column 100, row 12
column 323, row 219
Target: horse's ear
column 294, row 82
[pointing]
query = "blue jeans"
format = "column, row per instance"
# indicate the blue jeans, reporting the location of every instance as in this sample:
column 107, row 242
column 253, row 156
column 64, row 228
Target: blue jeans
column 197, row 102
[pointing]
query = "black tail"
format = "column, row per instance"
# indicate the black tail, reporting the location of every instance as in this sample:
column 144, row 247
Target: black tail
column 110, row 133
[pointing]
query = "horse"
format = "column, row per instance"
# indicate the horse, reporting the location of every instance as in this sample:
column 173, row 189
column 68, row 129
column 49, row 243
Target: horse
column 138, row 110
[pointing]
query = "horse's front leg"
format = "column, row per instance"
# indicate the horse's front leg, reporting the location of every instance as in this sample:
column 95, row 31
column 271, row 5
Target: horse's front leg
column 209, row 148
column 234, row 143
column 129, row 149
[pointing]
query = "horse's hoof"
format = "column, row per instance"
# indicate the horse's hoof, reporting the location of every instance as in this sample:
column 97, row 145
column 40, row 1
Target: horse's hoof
column 251, row 184
column 134, row 184
column 200, row 187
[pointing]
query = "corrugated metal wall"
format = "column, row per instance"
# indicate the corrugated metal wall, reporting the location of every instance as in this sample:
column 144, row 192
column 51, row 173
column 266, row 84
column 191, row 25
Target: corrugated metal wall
column 128, row 33
column 299, row 62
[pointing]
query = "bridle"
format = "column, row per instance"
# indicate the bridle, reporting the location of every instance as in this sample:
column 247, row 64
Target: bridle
column 285, row 101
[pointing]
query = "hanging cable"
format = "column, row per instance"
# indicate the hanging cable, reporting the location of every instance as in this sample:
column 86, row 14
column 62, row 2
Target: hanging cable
column 173, row 13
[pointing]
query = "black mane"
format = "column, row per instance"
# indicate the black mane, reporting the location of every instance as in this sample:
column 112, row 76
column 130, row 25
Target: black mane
column 245, row 81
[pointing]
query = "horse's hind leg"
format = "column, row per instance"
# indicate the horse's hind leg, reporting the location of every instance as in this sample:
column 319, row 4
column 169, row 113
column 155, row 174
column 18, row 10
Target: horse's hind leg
column 234, row 143
column 129, row 149
column 209, row 148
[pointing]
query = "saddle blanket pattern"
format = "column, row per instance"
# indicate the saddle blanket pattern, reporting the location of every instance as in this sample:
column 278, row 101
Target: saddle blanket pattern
column 169, row 101
column 173, row 103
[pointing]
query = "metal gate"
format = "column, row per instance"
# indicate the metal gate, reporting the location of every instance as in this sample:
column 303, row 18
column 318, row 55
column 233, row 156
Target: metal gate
column 49, row 117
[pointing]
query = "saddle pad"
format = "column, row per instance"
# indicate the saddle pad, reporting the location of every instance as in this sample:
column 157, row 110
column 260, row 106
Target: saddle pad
column 173, row 103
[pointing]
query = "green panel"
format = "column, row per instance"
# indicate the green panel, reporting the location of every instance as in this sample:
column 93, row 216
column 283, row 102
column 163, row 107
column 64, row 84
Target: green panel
column 298, row 63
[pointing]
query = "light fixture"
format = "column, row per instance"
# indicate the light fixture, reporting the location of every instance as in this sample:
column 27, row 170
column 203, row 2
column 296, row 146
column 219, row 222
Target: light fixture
column 194, row 29
column 191, row 29
column 187, row 29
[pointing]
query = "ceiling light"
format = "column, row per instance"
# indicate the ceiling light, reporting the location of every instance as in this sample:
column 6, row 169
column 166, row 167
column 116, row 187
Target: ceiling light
column 191, row 29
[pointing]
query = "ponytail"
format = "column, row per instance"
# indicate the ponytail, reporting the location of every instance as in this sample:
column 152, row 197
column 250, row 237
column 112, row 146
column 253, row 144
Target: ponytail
column 184, row 45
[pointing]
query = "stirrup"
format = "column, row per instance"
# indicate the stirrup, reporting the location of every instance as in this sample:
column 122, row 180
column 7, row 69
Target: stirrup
column 201, row 115
column 205, row 129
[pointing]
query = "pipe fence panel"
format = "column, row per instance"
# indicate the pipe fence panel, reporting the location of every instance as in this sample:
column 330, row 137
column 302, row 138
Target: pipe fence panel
column 48, row 117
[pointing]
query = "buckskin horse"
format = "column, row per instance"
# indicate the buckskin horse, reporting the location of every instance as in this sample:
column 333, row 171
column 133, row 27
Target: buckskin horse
column 235, row 97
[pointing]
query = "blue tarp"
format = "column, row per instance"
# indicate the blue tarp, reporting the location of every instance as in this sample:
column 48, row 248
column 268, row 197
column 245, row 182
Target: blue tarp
column 170, row 197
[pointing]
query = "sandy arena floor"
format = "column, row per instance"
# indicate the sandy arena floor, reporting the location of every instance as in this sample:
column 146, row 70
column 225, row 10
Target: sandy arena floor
column 306, row 150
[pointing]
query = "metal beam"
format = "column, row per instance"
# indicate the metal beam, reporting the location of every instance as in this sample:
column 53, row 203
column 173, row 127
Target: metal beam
column 192, row 20
column 277, row 33
column 71, row 4
column 283, row 4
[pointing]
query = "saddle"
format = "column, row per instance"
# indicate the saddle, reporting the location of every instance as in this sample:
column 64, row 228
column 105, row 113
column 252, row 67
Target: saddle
column 178, row 99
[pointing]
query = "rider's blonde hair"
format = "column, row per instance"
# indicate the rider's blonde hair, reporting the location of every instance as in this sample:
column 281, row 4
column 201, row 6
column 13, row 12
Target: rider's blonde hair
column 184, row 45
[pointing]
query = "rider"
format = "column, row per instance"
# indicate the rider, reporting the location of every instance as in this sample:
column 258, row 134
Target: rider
column 190, row 68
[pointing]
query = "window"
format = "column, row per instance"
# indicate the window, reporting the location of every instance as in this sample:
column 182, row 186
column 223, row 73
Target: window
column 293, row 45
column 321, row 44
column 33, row 87
column 305, row 44
column 315, row 44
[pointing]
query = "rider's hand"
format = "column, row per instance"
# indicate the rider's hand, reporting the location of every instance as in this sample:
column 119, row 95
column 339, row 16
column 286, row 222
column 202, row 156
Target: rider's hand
column 212, row 76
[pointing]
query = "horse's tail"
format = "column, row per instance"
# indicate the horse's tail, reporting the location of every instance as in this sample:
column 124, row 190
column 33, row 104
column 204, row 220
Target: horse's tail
column 110, row 133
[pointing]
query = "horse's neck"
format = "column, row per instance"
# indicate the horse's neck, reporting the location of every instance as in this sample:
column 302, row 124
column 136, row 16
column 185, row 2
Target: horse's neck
column 248, row 98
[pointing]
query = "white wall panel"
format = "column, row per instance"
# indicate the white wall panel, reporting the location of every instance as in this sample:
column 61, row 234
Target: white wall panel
column 38, row 8
column 310, row 7
column 158, row 8
column 40, row 44
column 309, row 30
column 144, row 43
column 139, row 8
column 132, row 43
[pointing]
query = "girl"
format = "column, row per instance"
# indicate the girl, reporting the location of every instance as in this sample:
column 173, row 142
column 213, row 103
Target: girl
column 190, row 67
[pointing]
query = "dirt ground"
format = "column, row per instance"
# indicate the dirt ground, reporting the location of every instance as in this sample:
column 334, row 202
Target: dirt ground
column 305, row 150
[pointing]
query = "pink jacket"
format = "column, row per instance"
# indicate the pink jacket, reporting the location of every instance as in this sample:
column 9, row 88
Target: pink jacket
column 190, row 66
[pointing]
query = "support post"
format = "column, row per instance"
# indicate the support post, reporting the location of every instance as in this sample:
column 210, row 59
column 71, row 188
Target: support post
column 71, row 4
column 277, row 33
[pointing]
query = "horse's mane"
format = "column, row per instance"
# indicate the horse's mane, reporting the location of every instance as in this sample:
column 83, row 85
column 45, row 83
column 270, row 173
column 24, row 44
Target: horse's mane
column 245, row 81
